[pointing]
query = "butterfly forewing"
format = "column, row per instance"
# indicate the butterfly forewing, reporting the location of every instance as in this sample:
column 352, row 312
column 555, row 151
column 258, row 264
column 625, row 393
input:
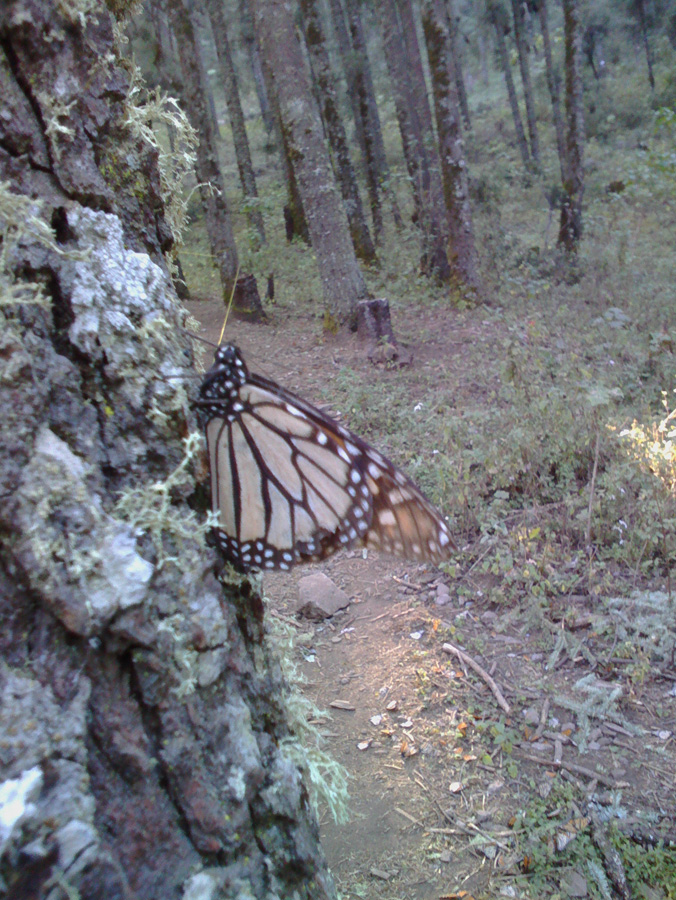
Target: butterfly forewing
column 291, row 485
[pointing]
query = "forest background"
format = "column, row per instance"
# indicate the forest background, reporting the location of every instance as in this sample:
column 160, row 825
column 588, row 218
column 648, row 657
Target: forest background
column 501, row 176
column 512, row 163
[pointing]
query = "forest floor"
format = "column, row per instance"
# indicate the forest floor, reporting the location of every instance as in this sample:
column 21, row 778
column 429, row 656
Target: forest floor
column 450, row 794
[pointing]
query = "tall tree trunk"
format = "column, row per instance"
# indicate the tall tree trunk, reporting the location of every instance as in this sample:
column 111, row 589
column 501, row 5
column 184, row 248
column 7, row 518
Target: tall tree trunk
column 344, row 43
column 499, row 20
column 138, row 695
column 254, row 55
column 456, row 55
column 570, row 228
column 524, row 68
column 483, row 55
column 236, row 116
column 342, row 281
column 552, row 84
column 212, row 187
column 415, row 126
column 376, row 167
column 640, row 9
column 462, row 251
column 295, row 222
column 345, row 174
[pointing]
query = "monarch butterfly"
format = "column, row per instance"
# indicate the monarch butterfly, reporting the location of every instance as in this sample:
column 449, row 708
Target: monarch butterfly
column 291, row 485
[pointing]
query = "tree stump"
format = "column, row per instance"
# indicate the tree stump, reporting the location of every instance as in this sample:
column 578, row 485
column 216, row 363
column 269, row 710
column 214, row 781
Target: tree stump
column 374, row 325
column 247, row 302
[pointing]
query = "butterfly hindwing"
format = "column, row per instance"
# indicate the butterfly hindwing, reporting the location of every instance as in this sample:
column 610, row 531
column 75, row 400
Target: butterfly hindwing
column 289, row 484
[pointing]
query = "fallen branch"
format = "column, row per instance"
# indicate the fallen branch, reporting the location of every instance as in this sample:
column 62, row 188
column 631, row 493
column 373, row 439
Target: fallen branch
column 575, row 769
column 482, row 673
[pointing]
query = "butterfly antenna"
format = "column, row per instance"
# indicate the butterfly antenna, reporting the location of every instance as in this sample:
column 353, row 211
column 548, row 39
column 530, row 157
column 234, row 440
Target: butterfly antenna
column 198, row 337
column 227, row 312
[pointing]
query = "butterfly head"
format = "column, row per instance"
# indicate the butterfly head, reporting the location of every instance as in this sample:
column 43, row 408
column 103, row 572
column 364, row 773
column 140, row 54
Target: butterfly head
column 224, row 378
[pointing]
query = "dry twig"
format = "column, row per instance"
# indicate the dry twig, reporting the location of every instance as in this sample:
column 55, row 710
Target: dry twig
column 481, row 672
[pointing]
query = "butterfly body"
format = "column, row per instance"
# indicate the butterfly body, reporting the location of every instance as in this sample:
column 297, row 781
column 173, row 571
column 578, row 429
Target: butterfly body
column 291, row 485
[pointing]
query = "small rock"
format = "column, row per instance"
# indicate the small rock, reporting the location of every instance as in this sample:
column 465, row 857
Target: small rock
column 376, row 720
column 575, row 884
column 455, row 787
column 442, row 594
column 319, row 597
column 341, row 704
column 363, row 745
column 531, row 715
column 416, row 635
column 391, row 706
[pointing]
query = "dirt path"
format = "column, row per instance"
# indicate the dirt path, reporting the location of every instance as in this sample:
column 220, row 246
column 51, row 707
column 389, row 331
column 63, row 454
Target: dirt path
column 448, row 790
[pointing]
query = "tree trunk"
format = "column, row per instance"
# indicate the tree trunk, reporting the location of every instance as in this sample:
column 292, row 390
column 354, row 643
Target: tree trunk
column 376, row 167
column 570, row 228
column 345, row 174
column 212, row 187
column 524, row 67
column 462, row 251
column 344, row 44
column 342, row 282
column 249, row 41
column 236, row 116
column 138, row 695
column 415, row 127
column 640, row 9
column 552, row 84
column 295, row 222
column 499, row 21
column 483, row 55
column 456, row 56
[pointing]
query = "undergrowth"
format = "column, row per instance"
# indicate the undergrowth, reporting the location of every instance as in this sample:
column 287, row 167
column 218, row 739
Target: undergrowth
column 563, row 833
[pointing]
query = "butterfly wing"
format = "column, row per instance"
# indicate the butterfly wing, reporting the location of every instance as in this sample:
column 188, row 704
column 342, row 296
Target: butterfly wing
column 290, row 485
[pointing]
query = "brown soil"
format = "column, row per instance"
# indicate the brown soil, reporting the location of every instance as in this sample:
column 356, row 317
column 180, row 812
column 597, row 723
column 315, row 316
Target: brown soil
column 435, row 793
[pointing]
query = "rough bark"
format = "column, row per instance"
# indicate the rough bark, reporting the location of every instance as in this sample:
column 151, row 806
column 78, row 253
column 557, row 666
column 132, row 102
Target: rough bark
column 456, row 56
column 524, row 68
column 462, row 250
column 236, row 116
column 212, row 188
column 328, row 98
column 552, row 84
column 570, row 227
column 415, row 126
column 344, row 45
column 342, row 282
column 364, row 109
column 499, row 20
column 141, row 697
column 368, row 112
column 295, row 222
